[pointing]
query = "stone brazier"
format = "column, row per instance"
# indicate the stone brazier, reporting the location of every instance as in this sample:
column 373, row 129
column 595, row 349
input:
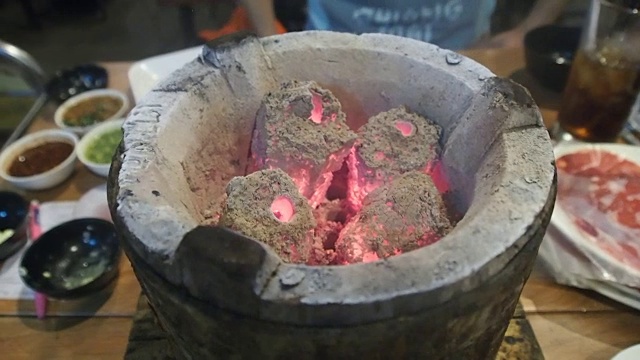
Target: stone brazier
column 221, row 295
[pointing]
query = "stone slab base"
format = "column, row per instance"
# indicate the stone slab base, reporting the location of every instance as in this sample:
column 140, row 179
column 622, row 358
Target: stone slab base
column 147, row 340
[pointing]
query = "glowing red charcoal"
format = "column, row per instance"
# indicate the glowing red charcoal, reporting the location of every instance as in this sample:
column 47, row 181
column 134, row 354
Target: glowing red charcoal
column 405, row 127
column 267, row 206
column 318, row 108
column 302, row 130
column 401, row 216
column 330, row 217
column 439, row 176
column 390, row 144
column 282, row 208
column 369, row 198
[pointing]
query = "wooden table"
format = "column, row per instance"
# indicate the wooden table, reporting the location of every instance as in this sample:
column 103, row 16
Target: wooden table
column 569, row 323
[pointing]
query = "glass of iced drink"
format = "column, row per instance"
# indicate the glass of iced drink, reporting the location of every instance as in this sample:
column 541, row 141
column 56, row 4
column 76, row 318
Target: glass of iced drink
column 604, row 79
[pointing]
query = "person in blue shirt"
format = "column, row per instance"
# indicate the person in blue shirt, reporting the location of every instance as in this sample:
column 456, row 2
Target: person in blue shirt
column 453, row 24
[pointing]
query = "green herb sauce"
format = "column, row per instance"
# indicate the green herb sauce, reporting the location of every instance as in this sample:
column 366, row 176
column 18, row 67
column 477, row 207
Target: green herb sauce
column 101, row 150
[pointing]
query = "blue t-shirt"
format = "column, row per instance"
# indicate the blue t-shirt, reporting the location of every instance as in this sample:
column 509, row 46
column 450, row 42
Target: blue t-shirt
column 452, row 24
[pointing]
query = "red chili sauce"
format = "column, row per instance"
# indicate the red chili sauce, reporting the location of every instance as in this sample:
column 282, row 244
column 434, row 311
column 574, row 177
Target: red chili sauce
column 39, row 159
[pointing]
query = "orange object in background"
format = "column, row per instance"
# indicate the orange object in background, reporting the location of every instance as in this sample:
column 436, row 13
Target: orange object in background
column 238, row 21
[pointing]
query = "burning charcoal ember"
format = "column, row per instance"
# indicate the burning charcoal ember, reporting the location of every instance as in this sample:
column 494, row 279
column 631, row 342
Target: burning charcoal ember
column 301, row 129
column 319, row 254
column 404, row 215
column 267, row 206
column 390, row 144
column 330, row 217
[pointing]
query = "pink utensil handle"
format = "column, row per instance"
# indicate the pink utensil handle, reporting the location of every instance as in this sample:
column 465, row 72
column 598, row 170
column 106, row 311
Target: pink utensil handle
column 40, row 302
column 35, row 230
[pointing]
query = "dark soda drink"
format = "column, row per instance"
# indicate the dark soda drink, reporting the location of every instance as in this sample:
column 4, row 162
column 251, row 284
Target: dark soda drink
column 600, row 92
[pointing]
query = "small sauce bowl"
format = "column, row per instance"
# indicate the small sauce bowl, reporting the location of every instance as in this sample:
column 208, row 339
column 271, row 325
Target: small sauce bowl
column 13, row 223
column 70, row 82
column 73, row 259
column 32, row 163
column 97, row 147
column 84, row 112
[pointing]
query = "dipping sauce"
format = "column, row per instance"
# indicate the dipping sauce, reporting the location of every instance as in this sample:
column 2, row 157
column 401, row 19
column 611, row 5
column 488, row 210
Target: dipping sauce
column 39, row 159
column 91, row 111
column 102, row 149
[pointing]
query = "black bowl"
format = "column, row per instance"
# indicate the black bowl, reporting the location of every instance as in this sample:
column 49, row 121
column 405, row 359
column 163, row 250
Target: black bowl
column 73, row 259
column 71, row 82
column 13, row 216
column 549, row 52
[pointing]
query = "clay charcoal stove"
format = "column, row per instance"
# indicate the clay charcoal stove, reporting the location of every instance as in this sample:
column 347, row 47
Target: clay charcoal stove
column 244, row 255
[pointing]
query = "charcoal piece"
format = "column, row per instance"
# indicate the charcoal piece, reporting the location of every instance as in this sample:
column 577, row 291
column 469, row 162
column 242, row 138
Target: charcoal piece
column 401, row 216
column 330, row 217
column 267, row 206
column 390, row 144
column 302, row 130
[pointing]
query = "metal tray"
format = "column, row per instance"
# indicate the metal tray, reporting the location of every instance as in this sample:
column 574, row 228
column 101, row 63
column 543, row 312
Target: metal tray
column 22, row 92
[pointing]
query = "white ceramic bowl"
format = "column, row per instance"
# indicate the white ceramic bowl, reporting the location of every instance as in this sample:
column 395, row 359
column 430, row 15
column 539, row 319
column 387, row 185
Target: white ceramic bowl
column 47, row 179
column 81, row 130
column 89, row 138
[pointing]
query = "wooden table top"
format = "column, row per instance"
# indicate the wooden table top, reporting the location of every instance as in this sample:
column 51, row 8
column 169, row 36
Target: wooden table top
column 569, row 323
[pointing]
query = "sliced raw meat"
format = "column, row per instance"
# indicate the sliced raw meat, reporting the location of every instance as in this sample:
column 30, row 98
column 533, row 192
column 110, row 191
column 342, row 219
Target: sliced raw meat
column 600, row 191
column 597, row 163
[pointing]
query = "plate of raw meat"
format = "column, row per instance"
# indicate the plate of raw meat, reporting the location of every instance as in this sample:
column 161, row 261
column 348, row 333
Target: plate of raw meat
column 598, row 205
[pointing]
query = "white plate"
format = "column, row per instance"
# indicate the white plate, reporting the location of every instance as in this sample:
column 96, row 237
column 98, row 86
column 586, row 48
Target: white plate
column 562, row 221
column 627, row 291
column 145, row 74
column 630, row 353
column 617, row 292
